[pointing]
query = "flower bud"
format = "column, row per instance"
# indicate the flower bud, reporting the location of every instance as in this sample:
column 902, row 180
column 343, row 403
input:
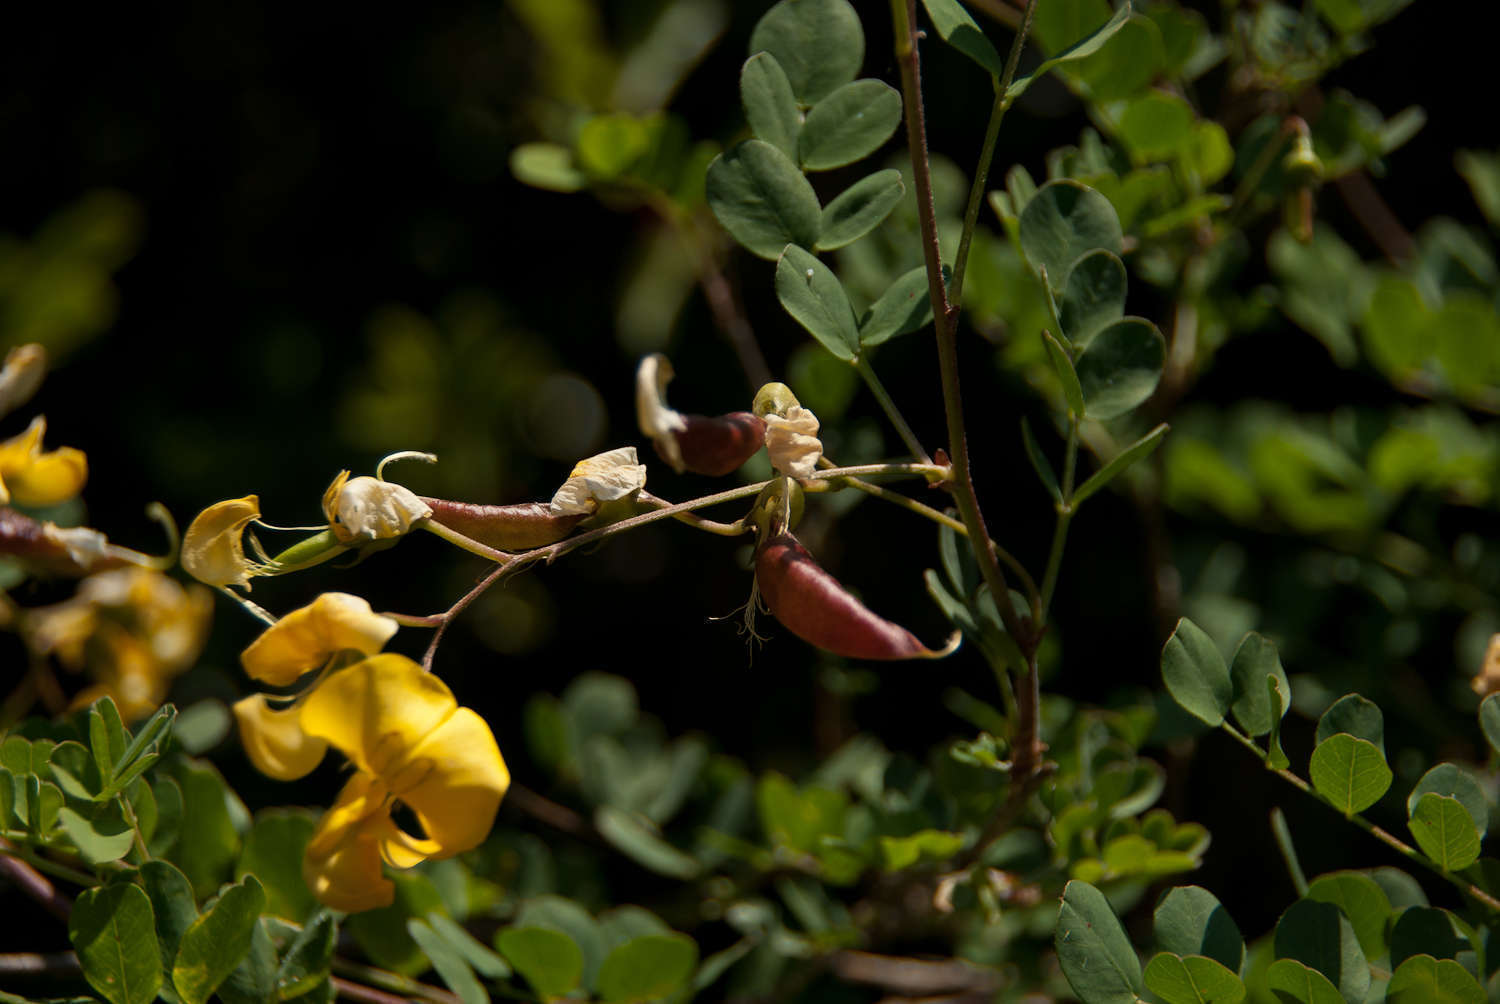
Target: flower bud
column 368, row 509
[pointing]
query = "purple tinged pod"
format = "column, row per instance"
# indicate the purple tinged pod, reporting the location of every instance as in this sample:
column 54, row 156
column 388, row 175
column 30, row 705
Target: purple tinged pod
column 518, row 527
column 717, row 446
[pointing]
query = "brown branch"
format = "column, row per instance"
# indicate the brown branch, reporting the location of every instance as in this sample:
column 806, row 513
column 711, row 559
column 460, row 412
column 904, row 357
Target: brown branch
column 554, row 814
column 39, row 963
column 349, row 990
column 913, row 976
column 34, row 884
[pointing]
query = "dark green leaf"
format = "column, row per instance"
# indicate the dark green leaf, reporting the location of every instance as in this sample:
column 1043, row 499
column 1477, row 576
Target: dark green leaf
column 1422, row 930
column 1085, row 46
column 635, row 836
column 1192, row 980
column 1195, row 674
column 904, row 307
column 1279, row 695
column 1294, row 983
column 762, row 199
column 74, row 769
column 253, row 981
column 1445, row 831
column 1093, row 296
column 168, row 795
column 273, row 853
column 450, row 965
column 548, row 959
column 382, row 933
column 134, row 770
column 957, row 28
column 1318, row 935
column 1121, row 367
column 155, row 728
column 1422, row 979
column 770, row 105
column 1363, row 902
column 848, row 125
column 1062, row 365
column 859, row 209
column 1096, row 956
column 1255, row 659
column 814, row 296
column 1450, row 779
column 1489, row 720
column 113, row 932
column 1190, row 920
column 1039, row 463
column 207, row 843
column 305, row 964
column 172, row 905
column 1351, row 773
column 1356, row 716
column 106, row 737
column 1064, row 221
column 819, row 43
column 216, row 942
column 1122, row 462
column 647, row 968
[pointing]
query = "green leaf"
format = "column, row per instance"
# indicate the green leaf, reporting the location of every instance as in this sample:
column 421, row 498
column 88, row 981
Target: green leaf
column 928, row 844
column 1363, row 902
column 1093, row 296
column 819, row 43
column 548, row 166
column 1064, row 221
column 171, row 904
column 1279, row 694
column 1318, row 935
column 207, row 843
column 216, row 942
column 1039, row 463
column 450, row 965
column 1190, row 920
column 1482, row 172
column 273, row 853
column 1355, row 716
column 1156, row 126
column 548, row 959
column 1096, row 956
column 306, row 962
column 1294, row 983
column 1062, row 364
column 156, row 727
column 848, row 125
column 106, row 737
column 168, row 795
column 1445, row 831
column 106, row 837
column 113, row 932
column 73, row 767
column 813, row 295
column 134, row 770
column 1121, row 367
column 1423, row 930
column 859, row 209
column 571, row 919
column 770, row 105
column 1192, row 980
column 1126, row 64
column 1450, row 779
column 1255, row 659
column 1195, row 674
column 1489, row 720
column 904, row 307
column 635, row 836
column 957, row 28
column 1350, row 773
column 1422, row 979
column 647, row 968
column 1121, row 463
column 1085, row 46
column 253, row 981
column 484, row 961
column 762, row 199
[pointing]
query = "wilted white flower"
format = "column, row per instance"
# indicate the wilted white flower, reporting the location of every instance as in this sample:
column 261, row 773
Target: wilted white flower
column 792, row 441
column 603, row 478
column 365, row 509
column 658, row 422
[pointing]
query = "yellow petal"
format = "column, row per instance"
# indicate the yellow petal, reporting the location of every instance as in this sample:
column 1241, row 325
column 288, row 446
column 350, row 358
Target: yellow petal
column 378, row 710
column 213, row 550
column 459, row 778
column 274, row 739
column 342, row 863
column 304, row 639
column 31, row 477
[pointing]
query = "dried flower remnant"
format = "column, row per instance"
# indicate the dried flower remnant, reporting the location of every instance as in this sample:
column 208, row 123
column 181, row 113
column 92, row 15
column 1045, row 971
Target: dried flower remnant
column 1487, row 680
column 698, row 443
column 607, row 477
column 25, row 366
column 367, row 509
column 30, row 476
column 213, row 550
column 43, row 548
column 792, row 442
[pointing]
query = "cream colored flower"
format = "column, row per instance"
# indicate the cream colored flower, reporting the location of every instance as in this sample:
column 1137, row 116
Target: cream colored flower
column 304, row 639
column 25, row 365
column 658, row 423
column 31, row 477
column 792, row 441
column 603, row 478
column 367, row 509
column 213, row 550
column 1487, row 680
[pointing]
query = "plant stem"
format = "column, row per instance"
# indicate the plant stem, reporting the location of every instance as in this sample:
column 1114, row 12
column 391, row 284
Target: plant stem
column 33, row 883
column 467, row 543
column 735, row 529
column 1064, row 518
column 986, row 156
column 862, row 363
column 1379, row 833
column 409, row 989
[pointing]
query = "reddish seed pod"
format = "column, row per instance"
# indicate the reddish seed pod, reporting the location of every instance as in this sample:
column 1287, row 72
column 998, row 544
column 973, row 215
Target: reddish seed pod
column 718, row 446
column 518, row 527
column 814, row 607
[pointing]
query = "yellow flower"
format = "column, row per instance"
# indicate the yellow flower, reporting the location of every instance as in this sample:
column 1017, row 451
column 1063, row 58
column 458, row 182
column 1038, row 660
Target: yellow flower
column 213, row 550
column 305, row 638
column 368, row 509
column 31, row 477
column 599, row 479
column 409, row 741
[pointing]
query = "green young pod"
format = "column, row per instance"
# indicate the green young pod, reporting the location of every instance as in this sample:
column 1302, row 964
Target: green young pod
column 812, row 605
column 518, row 527
column 774, row 399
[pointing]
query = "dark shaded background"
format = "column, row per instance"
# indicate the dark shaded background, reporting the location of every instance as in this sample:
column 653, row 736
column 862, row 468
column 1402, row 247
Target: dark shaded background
column 304, row 171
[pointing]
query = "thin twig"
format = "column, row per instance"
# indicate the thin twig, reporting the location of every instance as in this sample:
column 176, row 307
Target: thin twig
column 554, row 814
column 888, row 405
column 39, row 963
column 736, row 529
column 34, row 884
